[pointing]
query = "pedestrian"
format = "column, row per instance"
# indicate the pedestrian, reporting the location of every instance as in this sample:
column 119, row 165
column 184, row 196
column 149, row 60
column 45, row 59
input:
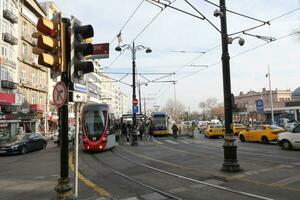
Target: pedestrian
column 175, row 130
column 151, row 132
column 141, row 130
column 128, row 131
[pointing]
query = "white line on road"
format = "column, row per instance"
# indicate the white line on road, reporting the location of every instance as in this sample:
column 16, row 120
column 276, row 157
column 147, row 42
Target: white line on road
column 158, row 142
column 172, row 142
column 185, row 142
column 287, row 180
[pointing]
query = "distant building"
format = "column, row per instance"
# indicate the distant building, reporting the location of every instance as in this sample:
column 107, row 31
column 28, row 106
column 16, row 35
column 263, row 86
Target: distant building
column 246, row 111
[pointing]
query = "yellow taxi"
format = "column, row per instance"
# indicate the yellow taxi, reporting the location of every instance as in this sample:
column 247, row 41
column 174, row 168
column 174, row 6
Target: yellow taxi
column 261, row 133
column 237, row 128
column 214, row 131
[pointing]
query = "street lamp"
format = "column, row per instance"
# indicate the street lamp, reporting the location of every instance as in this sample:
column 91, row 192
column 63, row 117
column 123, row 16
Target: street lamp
column 230, row 155
column 268, row 75
column 133, row 50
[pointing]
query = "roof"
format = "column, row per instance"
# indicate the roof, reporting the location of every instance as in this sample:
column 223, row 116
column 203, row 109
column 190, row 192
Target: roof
column 296, row 92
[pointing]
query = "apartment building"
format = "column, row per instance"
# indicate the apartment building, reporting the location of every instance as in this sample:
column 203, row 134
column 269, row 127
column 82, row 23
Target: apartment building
column 9, row 96
column 32, row 78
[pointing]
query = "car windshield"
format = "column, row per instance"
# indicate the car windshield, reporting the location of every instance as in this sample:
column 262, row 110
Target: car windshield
column 239, row 126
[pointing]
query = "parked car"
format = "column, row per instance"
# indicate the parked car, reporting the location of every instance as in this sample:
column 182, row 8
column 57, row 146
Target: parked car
column 71, row 135
column 290, row 140
column 214, row 131
column 237, row 128
column 27, row 143
column 261, row 133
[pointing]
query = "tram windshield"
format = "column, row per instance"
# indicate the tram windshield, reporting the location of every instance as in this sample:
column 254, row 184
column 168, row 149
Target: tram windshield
column 94, row 123
column 159, row 121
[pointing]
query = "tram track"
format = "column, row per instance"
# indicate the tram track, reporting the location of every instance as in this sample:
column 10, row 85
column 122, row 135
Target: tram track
column 174, row 175
column 245, row 194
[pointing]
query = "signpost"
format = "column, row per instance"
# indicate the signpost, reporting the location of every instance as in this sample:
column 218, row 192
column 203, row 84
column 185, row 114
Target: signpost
column 59, row 94
column 260, row 105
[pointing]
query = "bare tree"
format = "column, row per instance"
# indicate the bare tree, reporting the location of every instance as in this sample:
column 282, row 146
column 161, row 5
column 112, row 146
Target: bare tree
column 174, row 110
column 208, row 107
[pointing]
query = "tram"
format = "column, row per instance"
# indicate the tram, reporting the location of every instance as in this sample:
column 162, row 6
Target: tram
column 160, row 123
column 98, row 128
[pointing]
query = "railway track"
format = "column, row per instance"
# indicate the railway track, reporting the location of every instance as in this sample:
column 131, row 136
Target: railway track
column 173, row 176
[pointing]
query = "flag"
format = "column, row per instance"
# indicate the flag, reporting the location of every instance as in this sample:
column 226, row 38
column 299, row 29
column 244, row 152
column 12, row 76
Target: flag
column 119, row 36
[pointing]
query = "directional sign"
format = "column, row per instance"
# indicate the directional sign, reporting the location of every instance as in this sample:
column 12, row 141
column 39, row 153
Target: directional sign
column 59, row 94
column 101, row 50
column 79, row 97
column 135, row 109
column 135, row 101
column 259, row 105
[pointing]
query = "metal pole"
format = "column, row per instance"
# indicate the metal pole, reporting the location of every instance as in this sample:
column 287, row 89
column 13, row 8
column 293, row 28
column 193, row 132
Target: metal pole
column 134, row 132
column 271, row 97
column 77, row 106
column 175, row 110
column 64, row 188
column 140, row 99
column 230, row 156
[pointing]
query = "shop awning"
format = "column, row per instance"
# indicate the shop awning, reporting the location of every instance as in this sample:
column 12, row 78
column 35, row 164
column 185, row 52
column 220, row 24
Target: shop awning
column 7, row 99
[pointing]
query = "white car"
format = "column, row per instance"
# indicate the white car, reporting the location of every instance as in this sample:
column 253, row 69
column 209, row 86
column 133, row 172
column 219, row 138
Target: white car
column 290, row 140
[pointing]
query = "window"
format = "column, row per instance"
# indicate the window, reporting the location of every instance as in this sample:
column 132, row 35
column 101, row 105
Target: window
column 33, row 78
column 33, row 99
column 23, row 74
column 3, row 73
column 5, row 5
column 4, row 51
column 5, row 26
column 24, row 27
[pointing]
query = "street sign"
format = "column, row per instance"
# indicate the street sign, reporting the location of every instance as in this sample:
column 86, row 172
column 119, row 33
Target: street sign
column 79, row 97
column 135, row 101
column 101, row 50
column 79, row 87
column 135, row 109
column 59, row 94
column 259, row 105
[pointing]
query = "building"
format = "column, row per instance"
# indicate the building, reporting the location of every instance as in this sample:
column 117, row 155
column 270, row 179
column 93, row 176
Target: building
column 102, row 89
column 32, row 78
column 246, row 105
column 9, row 96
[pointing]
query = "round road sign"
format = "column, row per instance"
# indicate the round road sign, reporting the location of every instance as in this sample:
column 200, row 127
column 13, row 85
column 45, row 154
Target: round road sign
column 59, row 94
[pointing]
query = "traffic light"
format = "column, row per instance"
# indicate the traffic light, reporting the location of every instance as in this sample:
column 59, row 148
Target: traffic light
column 50, row 43
column 80, row 37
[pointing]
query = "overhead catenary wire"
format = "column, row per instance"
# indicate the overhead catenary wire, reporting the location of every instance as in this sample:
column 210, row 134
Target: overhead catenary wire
column 135, row 10
column 242, row 53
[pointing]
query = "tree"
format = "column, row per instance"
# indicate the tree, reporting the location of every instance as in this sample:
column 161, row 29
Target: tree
column 174, row 110
column 210, row 109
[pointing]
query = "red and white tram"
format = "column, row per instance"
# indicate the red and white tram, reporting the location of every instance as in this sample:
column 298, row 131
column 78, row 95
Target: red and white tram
column 98, row 128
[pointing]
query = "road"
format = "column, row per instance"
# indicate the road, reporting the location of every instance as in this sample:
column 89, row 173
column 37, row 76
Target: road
column 186, row 168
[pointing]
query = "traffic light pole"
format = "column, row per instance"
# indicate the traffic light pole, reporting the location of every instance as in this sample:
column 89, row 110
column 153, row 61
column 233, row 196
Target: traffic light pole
column 230, row 156
column 64, row 188
column 134, row 128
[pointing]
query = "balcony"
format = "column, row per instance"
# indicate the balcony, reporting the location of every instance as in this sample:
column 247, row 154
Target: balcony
column 8, row 84
column 10, row 16
column 9, row 38
column 27, row 37
column 10, row 63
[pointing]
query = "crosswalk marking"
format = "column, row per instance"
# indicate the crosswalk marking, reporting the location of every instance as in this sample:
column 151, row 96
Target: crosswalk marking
column 170, row 141
column 185, row 142
column 158, row 142
column 287, row 181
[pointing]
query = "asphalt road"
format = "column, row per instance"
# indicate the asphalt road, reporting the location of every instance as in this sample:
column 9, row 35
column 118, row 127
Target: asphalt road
column 186, row 168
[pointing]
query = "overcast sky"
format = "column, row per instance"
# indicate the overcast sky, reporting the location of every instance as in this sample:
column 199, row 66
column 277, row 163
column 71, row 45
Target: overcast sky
column 175, row 31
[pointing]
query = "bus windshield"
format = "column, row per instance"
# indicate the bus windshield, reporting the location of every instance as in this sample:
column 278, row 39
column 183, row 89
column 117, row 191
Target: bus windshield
column 94, row 123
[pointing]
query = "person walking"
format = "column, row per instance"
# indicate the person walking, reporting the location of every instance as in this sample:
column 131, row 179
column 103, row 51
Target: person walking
column 175, row 130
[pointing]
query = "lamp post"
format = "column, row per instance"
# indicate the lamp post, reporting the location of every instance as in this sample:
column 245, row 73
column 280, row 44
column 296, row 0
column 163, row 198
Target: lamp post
column 230, row 149
column 133, row 50
column 271, row 98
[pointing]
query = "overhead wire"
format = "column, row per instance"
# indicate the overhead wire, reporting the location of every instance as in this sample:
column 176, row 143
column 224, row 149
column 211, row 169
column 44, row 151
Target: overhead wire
column 135, row 10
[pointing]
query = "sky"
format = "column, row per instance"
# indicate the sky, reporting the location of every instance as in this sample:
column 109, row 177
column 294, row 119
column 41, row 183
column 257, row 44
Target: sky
column 198, row 75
